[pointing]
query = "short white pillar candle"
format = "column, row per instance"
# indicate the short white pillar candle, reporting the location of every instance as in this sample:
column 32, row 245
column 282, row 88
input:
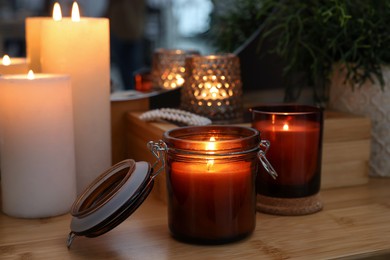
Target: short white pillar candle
column 10, row 65
column 38, row 172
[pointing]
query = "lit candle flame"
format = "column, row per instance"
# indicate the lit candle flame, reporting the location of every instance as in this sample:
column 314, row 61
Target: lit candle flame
column 57, row 14
column 75, row 12
column 285, row 127
column 30, row 75
column 210, row 146
column 6, row 60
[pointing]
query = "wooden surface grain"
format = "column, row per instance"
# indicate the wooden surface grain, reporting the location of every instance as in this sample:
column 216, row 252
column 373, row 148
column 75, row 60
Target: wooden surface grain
column 354, row 224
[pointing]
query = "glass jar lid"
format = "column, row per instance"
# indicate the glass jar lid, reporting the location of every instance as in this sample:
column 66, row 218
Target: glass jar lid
column 110, row 199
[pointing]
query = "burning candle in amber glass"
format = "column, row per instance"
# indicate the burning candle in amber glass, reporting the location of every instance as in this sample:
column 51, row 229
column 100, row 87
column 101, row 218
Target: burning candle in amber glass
column 211, row 174
column 295, row 134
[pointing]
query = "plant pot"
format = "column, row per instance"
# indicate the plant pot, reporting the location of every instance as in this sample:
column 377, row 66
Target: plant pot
column 373, row 101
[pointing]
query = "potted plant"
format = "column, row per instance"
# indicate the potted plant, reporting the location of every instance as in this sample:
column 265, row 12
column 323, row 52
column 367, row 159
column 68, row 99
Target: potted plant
column 331, row 46
column 312, row 36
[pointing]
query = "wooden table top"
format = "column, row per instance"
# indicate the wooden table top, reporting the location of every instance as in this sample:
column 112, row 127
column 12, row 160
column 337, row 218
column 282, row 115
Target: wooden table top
column 354, row 223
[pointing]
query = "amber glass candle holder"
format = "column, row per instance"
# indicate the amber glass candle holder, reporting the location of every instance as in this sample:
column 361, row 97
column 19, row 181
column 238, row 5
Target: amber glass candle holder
column 295, row 134
column 213, row 87
column 143, row 80
column 211, row 173
column 168, row 67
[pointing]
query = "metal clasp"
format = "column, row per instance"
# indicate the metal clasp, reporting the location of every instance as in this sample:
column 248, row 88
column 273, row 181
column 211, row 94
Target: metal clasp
column 265, row 144
column 70, row 239
column 158, row 149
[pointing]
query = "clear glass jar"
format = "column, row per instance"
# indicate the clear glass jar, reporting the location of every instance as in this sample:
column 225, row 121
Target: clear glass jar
column 211, row 172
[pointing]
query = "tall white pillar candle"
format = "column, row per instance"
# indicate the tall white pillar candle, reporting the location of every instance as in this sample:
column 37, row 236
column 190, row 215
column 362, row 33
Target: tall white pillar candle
column 34, row 37
column 13, row 65
column 81, row 49
column 38, row 174
column 33, row 41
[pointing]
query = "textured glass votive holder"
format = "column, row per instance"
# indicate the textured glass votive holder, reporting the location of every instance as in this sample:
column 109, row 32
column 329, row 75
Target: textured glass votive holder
column 168, row 67
column 295, row 135
column 213, row 87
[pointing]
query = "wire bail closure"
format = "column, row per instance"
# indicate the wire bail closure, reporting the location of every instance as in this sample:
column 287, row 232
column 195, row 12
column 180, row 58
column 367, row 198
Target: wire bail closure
column 157, row 149
column 265, row 144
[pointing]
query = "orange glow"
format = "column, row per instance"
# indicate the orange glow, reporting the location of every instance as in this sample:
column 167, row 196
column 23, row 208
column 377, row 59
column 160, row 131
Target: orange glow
column 30, row 75
column 285, row 127
column 75, row 12
column 57, row 14
column 6, row 60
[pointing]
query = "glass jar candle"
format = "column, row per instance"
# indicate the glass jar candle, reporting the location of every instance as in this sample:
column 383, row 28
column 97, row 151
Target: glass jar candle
column 295, row 132
column 211, row 173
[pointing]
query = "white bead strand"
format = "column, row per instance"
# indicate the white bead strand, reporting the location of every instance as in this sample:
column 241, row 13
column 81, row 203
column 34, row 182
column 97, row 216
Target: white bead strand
column 175, row 115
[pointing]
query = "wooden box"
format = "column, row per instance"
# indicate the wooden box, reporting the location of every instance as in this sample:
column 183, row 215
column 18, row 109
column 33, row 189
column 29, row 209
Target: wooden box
column 346, row 148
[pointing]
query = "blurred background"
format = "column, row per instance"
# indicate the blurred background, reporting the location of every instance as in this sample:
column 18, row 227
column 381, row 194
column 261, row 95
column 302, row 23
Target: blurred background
column 137, row 28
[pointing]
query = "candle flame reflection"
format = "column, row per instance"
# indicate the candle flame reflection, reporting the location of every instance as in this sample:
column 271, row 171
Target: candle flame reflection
column 57, row 14
column 210, row 164
column 30, row 75
column 75, row 12
column 212, row 90
column 179, row 80
column 6, row 60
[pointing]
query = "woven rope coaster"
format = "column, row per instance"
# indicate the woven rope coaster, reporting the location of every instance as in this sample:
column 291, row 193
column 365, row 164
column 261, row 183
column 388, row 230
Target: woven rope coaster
column 289, row 206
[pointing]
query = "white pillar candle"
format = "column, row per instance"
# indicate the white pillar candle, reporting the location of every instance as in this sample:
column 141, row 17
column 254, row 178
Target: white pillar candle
column 81, row 49
column 13, row 65
column 38, row 174
column 34, row 37
column 33, row 41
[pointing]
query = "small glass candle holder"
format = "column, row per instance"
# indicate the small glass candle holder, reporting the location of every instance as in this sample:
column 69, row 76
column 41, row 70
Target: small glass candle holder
column 211, row 173
column 168, row 67
column 213, row 87
column 295, row 134
column 143, row 80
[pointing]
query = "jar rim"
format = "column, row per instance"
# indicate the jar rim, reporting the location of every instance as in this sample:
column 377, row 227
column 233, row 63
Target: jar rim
column 214, row 57
column 229, row 139
column 174, row 52
column 286, row 109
